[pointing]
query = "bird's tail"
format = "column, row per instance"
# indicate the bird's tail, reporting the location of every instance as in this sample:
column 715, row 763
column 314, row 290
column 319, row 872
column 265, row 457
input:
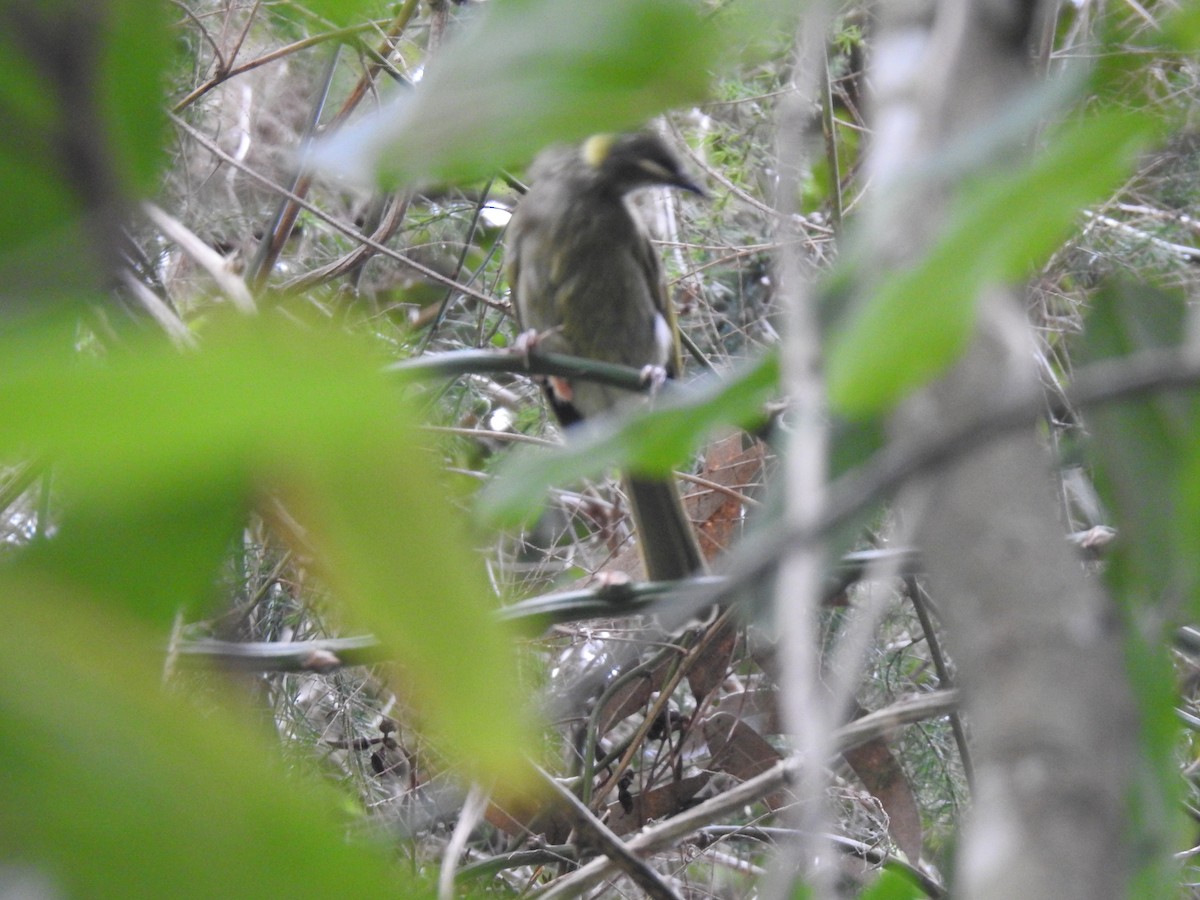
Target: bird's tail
column 665, row 534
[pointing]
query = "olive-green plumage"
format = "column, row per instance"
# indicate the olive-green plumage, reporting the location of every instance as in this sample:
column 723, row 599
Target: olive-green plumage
column 586, row 278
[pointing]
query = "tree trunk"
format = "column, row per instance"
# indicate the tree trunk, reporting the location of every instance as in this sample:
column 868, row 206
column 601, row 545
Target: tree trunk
column 1051, row 716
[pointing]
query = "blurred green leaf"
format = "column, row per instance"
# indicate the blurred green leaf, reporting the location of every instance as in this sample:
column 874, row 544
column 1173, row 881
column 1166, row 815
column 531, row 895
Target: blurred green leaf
column 527, row 73
column 1145, row 458
column 115, row 788
column 756, row 31
column 1145, row 453
column 134, row 60
column 919, row 320
column 1181, row 29
column 1157, row 811
column 892, row 886
column 81, row 86
column 340, row 12
column 157, row 452
column 649, row 441
column 151, row 560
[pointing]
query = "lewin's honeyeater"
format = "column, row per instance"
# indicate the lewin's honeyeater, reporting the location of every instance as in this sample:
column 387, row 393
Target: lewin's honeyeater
column 587, row 280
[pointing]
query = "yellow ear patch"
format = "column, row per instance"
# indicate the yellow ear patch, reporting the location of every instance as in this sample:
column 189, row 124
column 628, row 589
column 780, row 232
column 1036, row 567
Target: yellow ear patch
column 596, row 148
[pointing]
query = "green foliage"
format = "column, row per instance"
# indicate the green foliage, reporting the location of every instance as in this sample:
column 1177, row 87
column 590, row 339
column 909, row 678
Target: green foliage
column 149, row 432
column 818, row 185
column 919, row 320
column 157, row 457
column 891, row 886
column 84, row 128
column 1156, row 804
column 340, row 12
column 527, row 74
column 754, row 31
column 1145, row 454
column 1182, row 30
column 134, row 41
column 115, row 788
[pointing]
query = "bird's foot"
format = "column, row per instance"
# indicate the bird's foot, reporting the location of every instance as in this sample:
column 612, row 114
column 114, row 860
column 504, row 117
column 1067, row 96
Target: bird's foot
column 612, row 582
column 526, row 343
column 654, row 377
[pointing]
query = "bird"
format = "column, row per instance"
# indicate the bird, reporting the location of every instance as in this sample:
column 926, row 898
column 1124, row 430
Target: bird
column 586, row 281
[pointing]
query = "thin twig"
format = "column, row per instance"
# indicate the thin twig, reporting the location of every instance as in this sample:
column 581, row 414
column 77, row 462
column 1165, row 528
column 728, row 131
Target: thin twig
column 467, row 243
column 212, row 42
column 230, row 284
column 479, row 434
column 222, row 76
column 282, row 656
column 471, row 815
column 766, row 209
column 349, row 231
column 615, row 852
column 874, row 855
column 726, row 490
column 273, row 240
column 534, row 615
column 880, row 724
column 285, row 220
column 241, row 38
column 397, row 209
column 158, row 309
column 1183, row 251
column 18, row 480
column 916, row 595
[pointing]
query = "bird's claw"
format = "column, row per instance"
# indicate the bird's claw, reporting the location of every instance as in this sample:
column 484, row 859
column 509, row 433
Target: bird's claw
column 654, row 377
column 612, row 582
column 526, row 343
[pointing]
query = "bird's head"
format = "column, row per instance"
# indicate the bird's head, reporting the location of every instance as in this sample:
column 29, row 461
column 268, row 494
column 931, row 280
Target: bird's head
column 626, row 162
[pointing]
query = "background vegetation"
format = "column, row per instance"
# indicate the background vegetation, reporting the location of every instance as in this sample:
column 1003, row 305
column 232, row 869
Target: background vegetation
column 290, row 607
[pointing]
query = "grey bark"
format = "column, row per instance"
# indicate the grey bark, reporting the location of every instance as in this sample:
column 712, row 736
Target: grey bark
column 1052, row 719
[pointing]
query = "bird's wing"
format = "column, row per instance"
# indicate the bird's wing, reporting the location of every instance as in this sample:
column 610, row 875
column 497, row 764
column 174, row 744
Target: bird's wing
column 512, row 269
column 652, row 268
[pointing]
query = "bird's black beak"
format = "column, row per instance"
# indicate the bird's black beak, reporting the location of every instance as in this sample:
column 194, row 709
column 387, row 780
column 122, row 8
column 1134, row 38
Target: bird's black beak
column 684, row 183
